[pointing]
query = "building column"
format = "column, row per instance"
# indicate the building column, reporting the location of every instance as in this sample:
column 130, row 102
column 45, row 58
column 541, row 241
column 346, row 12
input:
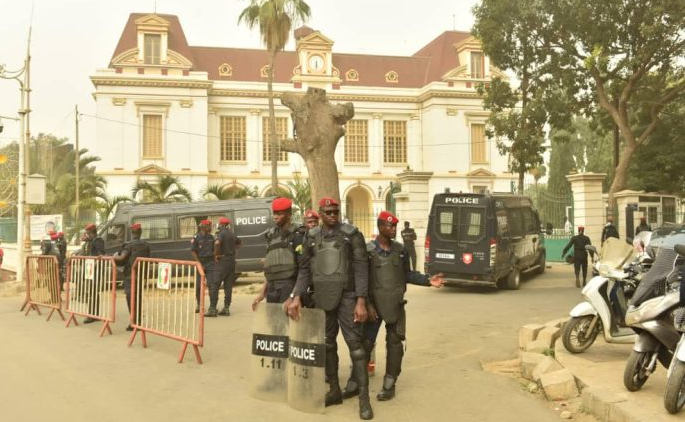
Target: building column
column 413, row 204
column 588, row 205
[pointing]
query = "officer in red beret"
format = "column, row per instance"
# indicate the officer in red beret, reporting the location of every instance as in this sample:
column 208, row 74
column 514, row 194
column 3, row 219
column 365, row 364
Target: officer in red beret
column 61, row 245
column 335, row 262
column 225, row 245
column 387, row 285
column 93, row 245
column 202, row 251
column 136, row 248
column 284, row 249
column 311, row 219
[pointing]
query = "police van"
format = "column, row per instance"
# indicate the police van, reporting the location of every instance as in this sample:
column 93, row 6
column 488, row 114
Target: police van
column 483, row 239
column 170, row 227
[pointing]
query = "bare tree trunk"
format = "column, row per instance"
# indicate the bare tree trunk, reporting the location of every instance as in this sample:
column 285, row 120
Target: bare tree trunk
column 318, row 126
column 273, row 141
column 521, row 177
column 621, row 176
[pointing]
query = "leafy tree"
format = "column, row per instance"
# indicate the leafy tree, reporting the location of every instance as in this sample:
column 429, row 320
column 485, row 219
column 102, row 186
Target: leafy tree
column 221, row 192
column 275, row 19
column 300, row 192
column 610, row 54
column 106, row 206
column 510, row 36
column 166, row 189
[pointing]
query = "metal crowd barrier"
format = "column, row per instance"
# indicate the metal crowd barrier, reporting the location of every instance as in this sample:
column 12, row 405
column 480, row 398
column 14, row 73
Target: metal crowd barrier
column 163, row 302
column 91, row 289
column 43, row 286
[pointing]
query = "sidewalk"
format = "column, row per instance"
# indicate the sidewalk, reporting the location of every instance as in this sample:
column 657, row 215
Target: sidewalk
column 600, row 371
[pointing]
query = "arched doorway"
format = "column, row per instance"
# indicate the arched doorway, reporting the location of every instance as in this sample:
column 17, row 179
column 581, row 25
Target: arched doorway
column 358, row 210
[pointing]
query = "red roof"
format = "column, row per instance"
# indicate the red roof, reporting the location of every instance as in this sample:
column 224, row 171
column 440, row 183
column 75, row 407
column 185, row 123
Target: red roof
column 425, row 66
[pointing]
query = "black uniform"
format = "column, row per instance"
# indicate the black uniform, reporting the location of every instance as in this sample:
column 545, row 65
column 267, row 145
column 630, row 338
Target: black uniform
column 61, row 246
column 203, row 245
column 579, row 242
column 48, row 248
column 94, row 247
column 136, row 248
column 283, row 253
column 224, row 271
column 335, row 263
column 643, row 227
column 608, row 231
column 390, row 271
column 408, row 238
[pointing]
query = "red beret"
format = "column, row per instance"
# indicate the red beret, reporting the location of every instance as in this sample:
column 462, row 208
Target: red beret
column 53, row 235
column 90, row 227
column 136, row 226
column 224, row 220
column 581, row 228
column 388, row 217
column 281, row 204
column 205, row 223
column 60, row 234
column 311, row 214
column 328, row 202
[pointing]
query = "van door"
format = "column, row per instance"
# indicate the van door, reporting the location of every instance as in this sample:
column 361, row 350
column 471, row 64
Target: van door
column 158, row 232
column 519, row 243
column 251, row 226
column 460, row 244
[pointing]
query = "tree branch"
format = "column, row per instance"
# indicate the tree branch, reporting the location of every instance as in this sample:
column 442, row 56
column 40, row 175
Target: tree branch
column 657, row 107
column 290, row 145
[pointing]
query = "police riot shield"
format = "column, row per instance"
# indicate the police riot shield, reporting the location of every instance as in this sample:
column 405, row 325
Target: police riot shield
column 268, row 365
column 306, row 355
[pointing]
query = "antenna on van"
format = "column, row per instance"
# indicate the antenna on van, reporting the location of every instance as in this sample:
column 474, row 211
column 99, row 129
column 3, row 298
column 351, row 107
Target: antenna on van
column 447, row 190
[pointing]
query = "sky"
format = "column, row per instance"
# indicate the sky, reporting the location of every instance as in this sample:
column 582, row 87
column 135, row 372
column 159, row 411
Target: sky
column 72, row 38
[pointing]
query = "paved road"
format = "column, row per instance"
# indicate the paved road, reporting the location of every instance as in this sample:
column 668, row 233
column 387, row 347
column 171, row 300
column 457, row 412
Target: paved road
column 48, row 372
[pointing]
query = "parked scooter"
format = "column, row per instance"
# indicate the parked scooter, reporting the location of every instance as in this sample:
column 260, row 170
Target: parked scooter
column 605, row 302
column 650, row 315
column 674, row 397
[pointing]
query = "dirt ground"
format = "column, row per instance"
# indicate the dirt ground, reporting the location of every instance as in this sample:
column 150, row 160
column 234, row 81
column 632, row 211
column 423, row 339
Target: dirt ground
column 48, row 372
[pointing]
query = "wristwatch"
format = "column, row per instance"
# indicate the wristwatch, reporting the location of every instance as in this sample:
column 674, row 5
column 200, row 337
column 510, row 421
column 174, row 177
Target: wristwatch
column 292, row 295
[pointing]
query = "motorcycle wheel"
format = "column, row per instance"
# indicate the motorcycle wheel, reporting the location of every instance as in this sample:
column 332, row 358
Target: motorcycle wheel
column 674, row 398
column 575, row 337
column 636, row 373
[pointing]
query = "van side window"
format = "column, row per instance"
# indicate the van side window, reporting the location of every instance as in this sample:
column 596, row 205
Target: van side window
column 115, row 235
column 155, row 228
column 516, row 224
column 187, row 225
column 445, row 221
column 502, row 223
column 529, row 220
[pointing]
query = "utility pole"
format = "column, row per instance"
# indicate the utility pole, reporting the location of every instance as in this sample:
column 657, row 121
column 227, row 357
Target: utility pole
column 77, row 165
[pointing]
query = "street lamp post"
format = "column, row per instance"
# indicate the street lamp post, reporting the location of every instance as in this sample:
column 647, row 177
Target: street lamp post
column 22, row 76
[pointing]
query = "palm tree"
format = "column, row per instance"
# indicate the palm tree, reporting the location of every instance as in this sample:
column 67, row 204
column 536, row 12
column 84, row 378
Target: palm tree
column 106, row 206
column 165, row 190
column 300, row 192
column 275, row 19
column 221, row 192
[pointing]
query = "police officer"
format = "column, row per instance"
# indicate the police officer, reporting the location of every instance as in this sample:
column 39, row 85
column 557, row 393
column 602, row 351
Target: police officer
column 609, row 230
column 408, row 238
column 224, row 271
column 202, row 250
column 283, row 250
column 136, row 248
column 311, row 219
column 335, row 262
column 47, row 247
column 389, row 273
column 643, row 227
column 579, row 242
column 93, row 245
column 61, row 245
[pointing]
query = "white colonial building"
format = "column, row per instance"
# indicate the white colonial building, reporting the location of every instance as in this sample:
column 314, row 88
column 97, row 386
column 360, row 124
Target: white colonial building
column 200, row 113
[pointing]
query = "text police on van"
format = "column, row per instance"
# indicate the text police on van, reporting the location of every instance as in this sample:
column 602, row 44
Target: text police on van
column 461, row 200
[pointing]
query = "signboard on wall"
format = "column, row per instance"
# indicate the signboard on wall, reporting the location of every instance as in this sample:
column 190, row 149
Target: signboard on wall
column 41, row 225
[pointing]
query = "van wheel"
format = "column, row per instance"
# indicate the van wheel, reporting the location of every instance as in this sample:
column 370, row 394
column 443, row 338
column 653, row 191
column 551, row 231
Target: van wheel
column 514, row 279
column 541, row 264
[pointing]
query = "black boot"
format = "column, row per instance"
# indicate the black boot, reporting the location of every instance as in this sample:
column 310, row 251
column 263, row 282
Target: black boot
column 388, row 391
column 359, row 363
column 334, row 395
column 351, row 389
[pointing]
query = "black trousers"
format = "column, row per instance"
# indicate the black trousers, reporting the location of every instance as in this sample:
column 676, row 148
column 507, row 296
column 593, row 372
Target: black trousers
column 580, row 262
column 395, row 334
column 278, row 291
column 341, row 319
column 139, row 297
column 412, row 256
column 208, row 266
column 224, row 273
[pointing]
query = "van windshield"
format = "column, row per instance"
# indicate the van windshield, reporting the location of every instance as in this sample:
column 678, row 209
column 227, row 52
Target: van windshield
column 464, row 224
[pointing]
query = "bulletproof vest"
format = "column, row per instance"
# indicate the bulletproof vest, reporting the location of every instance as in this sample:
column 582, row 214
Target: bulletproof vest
column 90, row 247
column 139, row 249
column 330, row 265
column 280, row 262
column 387, row 278
column 205, row 245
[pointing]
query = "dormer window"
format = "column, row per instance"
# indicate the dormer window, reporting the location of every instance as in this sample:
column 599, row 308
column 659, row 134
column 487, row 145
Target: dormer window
column 477, row 65
column 152, row 48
